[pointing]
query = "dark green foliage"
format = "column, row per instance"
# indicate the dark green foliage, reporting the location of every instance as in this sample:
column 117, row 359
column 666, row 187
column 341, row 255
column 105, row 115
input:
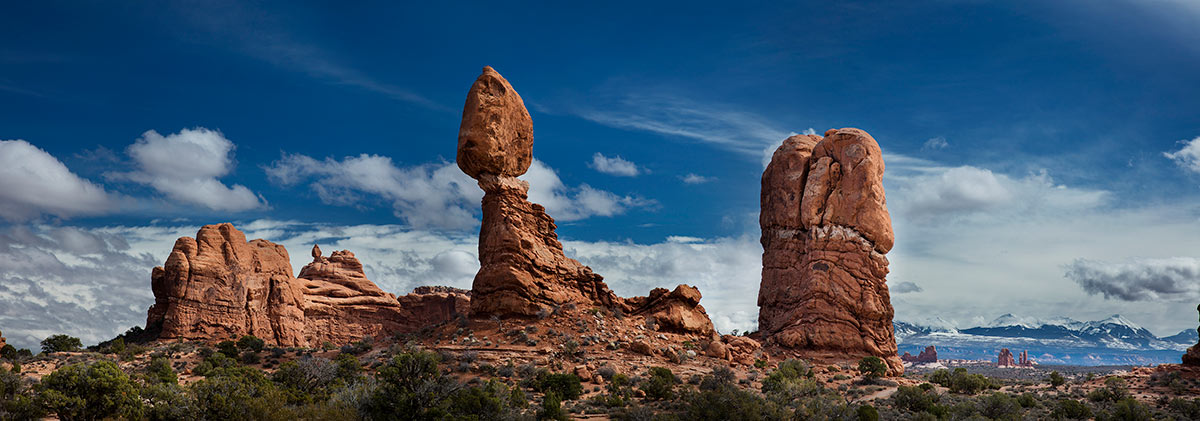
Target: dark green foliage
column 360, row 346
column 1000, row 406
column 250, row 343
column 1070, row 409
column 16, row 402
column 1186, row 409
column 619, row 393
column 61, row 343
column 660, row 385
column 410, row 387
column 788, row 372
column 492, row 400
column 306, row 380
column 168, row 402
column 8, row 352
column 720, row 377
column 867, row 413
column 1056, row 379
column 960, row 381
column 24, row 353
column 915, row 399
column 348, row 368
column 1113, row 391
column 239, row 393
column 159, row 371
column 872, row 367
column 1127, row 409
column 90, row 392
column 565, row 385
column 229, row 348
column 250, row 357
column 720, row 399
column 552, row 408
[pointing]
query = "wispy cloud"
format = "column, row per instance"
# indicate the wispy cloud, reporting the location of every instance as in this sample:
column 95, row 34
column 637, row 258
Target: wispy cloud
column 263, row 36
column 935, row 143
column 34, row 183
column 693, row 178
column 614, row 165
column 1175, row 279
column 1188, row 156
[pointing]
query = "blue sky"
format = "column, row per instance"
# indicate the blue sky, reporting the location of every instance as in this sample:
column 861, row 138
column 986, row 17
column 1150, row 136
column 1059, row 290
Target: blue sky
column 1042, row 156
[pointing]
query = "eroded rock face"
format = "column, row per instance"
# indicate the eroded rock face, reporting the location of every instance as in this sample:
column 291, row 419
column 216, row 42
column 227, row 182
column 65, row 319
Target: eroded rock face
column 825, row 230
column 1192, row 357
column 496, row 133
column 928, row 355
column 430, row 305
column 220, row 286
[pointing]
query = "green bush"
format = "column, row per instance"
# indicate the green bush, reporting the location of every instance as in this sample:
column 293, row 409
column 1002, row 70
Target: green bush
column 1056, row 379
column 410, row 386
column 1128, row 409
column 720, row 399
column 250, row 343
column 90, row 392
column 565, row 385
column 552, row 408
column 239, row 393
column 872, row 367
column 159, row 371
column 660, row 385
column 168, row 402
column 915, row 399
column 8, row 352
column 1027, row 400
column 16, row 402
column 867, row 413
column 1070, row 409
column 1000, row 406
column 229, row 348
column 61, row 343
column 1113, row 391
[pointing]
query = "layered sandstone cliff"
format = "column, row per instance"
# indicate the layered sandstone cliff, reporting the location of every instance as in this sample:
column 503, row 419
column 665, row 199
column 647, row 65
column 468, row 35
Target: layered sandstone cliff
column 1192, row 357
column 825, row 230
column 928, row 355
column 220, row 286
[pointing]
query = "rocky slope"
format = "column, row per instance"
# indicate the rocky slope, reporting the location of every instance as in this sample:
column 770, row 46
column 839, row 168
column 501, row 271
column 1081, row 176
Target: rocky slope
column 825, row 230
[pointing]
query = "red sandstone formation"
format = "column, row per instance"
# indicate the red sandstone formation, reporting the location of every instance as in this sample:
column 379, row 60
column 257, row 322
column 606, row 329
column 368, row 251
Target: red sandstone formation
column 219, row 286
column 523, row 270
column 2, row 340
column 1192, row 357
column 1023, row 360
column 929, row 355
column 1005, row 359
column 825, row 230
column 430, row 305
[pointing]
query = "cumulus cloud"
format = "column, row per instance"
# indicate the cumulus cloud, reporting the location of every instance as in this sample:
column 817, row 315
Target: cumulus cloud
column 1172, row 279
column 569, row 204
column 934, row 193
column 430, row 195
column 186, row 166
column 613, row 166
column 693, row 178
column 34, row 183
column 936, row 143
column 905, row 288
column 1187, row 157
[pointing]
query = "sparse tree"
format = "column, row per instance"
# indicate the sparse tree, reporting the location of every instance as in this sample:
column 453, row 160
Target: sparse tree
column 61, row 343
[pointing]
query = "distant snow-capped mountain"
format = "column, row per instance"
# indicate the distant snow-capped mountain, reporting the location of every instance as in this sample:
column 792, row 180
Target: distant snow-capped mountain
column 1114, row 340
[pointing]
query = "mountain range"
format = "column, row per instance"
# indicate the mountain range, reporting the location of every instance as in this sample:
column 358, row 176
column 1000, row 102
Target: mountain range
column 1061, row 340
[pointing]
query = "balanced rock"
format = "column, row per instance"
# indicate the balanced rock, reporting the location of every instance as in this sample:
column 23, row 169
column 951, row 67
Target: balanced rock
column 825, row 230
column 522, row 266
column 219, row 286
column 496, row 133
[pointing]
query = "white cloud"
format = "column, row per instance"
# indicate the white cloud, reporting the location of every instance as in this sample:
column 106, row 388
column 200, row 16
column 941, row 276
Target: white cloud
column 34, row 183
column 1187, row 157
column 428, row 195
column 613, row 166
column 1166, row 279
column 692, row 178
column 186, row 166
column 934, row 193
column 905, row 288
column 569, row 204
column 935, row 144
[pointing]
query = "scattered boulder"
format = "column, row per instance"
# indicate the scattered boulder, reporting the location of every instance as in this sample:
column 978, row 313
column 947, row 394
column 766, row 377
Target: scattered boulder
column 219, row 286
column 641, row 347
column 676, row 311
column 825, row 230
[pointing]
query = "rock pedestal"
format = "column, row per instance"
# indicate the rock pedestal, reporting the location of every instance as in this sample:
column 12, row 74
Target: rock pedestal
column 1192, row 357
column 825, row 230
column 1005, row 359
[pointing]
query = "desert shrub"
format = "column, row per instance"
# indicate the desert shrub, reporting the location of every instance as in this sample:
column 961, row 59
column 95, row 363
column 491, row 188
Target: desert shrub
column 552, row 408
column 229, row 348
column 16, row 402
column 1070, row 409
column 872, row 367
column 90, row 392
column 1185, row 408
column 618, row 394
column 410, row 386
column 661, row 384
column 565, row 385
column 1027, row 400
column 360, row 346
column 1127, row 409
column 720, row 377
column 1056, row 379
column 606, row 372
column 61, row 343
column 250, row 343
column 941, row 377
column 962, row 382
column 1000, row 406
column 1113, row 391
column 720, row 399
column 491, row 400
column 914, row 399
column 239, row 393
column 788, row 373
column 159, row 371
column 250, row 357
column 306, row 380
column 349, row 369
column 867, row 412
column 8, row 352
column 164, row 401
